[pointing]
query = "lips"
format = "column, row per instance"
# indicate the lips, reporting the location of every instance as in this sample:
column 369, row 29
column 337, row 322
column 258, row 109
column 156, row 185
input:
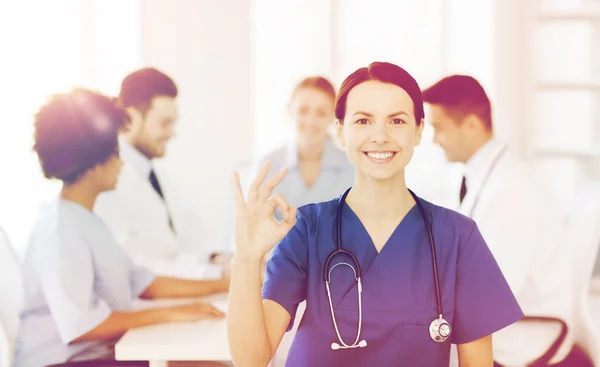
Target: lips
column 380, row 156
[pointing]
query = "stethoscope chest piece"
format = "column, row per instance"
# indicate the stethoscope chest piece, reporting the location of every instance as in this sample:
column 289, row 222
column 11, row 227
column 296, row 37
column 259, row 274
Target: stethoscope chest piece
column 439, row 330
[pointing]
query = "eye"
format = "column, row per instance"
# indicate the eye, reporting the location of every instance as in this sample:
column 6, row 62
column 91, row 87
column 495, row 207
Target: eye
column 398, row 121
column 303, row 111
column 362, row 121
column 321, row 113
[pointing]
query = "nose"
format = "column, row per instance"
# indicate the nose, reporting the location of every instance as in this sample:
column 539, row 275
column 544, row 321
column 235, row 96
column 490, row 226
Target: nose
column 379, row 134
column 170, row 132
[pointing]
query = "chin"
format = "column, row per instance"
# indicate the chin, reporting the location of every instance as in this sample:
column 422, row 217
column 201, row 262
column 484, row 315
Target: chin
column 379, row 174
column 450, row 158
column 311, row 142
column 159, row 153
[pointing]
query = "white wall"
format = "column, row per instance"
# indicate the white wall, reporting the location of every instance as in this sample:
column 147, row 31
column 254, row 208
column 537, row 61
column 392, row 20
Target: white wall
column 290, row 40
column 205, row 47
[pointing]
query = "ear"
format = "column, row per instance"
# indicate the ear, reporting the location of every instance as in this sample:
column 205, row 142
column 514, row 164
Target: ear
column 339, row 133
column 419, row 132
column 135, row 120
column 472, row 122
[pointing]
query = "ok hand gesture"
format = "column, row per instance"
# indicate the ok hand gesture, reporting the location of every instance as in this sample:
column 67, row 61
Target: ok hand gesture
column 256, row 229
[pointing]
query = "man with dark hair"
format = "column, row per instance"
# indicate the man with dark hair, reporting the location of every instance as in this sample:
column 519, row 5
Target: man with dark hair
column 513, row 214
column 145, row 215
column 79, row 284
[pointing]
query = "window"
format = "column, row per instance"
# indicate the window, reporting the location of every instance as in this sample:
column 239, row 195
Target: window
column 62, row 44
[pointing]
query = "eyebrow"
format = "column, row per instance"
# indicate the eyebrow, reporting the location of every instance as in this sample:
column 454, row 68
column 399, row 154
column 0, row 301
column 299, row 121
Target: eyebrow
column 399, row 113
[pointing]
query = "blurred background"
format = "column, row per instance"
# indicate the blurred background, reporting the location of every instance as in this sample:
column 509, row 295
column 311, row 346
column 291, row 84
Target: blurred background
column 236, row 61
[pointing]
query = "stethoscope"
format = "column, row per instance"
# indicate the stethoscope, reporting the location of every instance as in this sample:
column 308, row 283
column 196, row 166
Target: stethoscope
column 439, row 329
column 489, row 172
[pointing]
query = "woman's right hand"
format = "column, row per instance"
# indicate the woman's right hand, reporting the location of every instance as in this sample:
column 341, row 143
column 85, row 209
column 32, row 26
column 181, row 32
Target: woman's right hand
column 256, row 229
column 194, row 312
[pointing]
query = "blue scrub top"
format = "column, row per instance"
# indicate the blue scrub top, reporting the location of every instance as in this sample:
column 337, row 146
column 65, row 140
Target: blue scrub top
column 398, row 296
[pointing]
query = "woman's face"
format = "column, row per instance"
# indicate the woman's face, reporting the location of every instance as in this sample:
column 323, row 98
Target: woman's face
column 312, row 111
column 379, row 131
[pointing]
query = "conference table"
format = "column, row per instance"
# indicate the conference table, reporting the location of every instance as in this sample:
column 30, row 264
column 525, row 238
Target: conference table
column 188, row 341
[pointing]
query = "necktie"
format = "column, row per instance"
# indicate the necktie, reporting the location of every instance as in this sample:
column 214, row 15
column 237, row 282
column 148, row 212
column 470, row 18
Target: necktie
column 463, row 189
column 156, row 186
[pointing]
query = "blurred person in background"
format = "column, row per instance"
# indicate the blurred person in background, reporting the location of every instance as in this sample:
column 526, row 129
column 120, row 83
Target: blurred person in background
column 79, row 284
column 144, row 212
column 519, row 221
column 318, row 170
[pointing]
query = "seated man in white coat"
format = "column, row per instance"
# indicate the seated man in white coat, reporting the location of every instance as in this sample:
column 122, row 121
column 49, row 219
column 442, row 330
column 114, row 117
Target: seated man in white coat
column 142, row 212
column 518, row 222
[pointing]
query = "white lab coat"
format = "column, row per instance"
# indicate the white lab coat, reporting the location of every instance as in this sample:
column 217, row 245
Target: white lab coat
column 138, row 217
column 521, row 225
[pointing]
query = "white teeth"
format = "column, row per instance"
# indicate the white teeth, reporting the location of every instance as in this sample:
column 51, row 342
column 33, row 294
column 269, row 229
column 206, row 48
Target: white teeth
column 380, row 155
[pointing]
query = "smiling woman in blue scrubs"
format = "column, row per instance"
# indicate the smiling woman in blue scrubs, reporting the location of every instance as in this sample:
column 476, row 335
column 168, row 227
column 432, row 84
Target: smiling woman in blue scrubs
column 393, row 315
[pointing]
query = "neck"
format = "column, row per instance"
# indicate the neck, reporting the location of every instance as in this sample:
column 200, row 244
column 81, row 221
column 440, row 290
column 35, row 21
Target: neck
column 130, row 138
column 310, row 153
column 378, row 198
column 79, row 193
column 478, row 144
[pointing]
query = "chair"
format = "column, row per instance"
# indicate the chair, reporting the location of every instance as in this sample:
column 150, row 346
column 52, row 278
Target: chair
column 583, row 233
column 10, row 299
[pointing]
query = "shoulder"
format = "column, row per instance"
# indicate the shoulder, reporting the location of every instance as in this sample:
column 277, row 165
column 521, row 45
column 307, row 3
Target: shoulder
column 515, row 177
column 55, row 231
column 449, row 227
column 337, row 152
column 443, row 216
column 336, row 156
column 277, row 157
column 513, row 169
column 311, row 216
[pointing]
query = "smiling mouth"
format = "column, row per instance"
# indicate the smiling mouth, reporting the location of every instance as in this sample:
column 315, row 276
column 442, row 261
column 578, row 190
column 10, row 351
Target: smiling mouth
column 380, row 157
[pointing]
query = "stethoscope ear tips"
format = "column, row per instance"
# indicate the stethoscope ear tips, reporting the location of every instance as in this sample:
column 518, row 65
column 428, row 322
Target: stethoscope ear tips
column 361, row 344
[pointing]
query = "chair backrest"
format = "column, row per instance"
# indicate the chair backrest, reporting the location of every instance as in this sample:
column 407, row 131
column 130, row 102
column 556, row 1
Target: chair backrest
column 11, row 292
column 583, row 234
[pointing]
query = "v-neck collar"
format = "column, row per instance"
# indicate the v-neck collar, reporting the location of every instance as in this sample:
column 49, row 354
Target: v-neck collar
column 347, row 210
column 365, row 252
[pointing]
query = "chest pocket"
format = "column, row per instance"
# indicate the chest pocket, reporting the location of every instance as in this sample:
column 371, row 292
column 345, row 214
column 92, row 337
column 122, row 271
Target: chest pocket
column 417, row 346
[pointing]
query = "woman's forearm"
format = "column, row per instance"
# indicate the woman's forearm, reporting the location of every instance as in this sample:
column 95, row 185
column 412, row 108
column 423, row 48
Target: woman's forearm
column 477, row 353
column 165, row 287
column 119, row 322
column 248, row 337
